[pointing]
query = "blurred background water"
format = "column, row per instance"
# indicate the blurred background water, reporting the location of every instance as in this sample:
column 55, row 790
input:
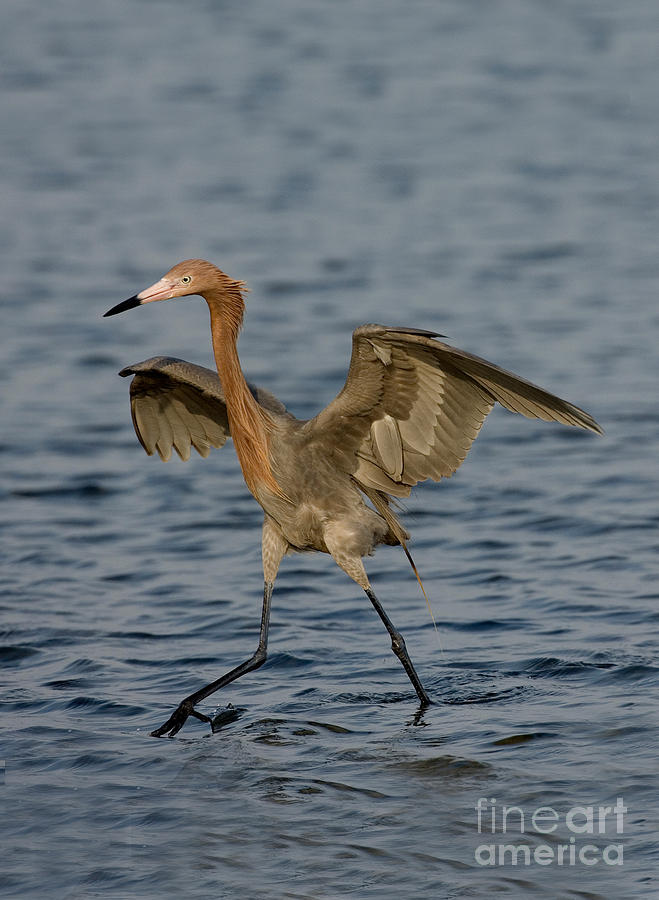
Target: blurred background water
column 489, row 170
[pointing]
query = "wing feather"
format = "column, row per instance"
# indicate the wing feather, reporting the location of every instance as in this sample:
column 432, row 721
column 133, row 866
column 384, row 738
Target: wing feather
column 387, row 446
column 178, row 405
column 412, row 406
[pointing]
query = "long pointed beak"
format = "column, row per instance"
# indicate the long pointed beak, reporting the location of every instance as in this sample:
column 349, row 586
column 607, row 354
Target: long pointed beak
column 131, row 303
column 161, row 290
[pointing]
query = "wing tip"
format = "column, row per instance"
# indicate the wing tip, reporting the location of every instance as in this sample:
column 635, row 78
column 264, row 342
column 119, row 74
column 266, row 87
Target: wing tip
column 595, row 427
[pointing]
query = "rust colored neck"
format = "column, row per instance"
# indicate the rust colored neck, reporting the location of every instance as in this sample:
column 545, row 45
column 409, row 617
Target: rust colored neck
column 250, row 425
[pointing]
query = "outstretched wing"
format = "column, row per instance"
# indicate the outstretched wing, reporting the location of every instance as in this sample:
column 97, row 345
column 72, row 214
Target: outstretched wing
column 412, row 406
column 176, row 404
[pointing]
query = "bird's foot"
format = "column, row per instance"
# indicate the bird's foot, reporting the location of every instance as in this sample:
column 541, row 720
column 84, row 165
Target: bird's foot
column 225, row 717
column 417, row 718
column 177, row 720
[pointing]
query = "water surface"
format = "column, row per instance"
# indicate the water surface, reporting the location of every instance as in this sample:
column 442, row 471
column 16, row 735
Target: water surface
column 486, row 170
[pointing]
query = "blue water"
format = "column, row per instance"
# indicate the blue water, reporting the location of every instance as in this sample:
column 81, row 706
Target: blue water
column 488, row 170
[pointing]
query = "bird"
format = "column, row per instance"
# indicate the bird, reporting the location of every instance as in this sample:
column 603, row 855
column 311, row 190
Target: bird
column 409, row 410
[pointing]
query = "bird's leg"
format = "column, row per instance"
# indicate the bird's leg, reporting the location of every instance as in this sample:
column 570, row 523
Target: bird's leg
column 274, row 547
column 352, row 565
column 186, row 708
column 399, row 648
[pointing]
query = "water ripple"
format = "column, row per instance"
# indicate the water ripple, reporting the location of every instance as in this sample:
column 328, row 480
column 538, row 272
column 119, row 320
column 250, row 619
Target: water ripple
column 484, row 170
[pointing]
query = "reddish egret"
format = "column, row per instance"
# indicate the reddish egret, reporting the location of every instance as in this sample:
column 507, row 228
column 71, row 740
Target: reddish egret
column 409, row 410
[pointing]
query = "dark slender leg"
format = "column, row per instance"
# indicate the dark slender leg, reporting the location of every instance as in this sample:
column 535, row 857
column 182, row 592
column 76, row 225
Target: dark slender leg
column 186, row 707
column 399, row 648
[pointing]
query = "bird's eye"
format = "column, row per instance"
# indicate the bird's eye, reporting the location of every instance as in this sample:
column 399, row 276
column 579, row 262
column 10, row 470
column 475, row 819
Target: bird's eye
column 186, row 279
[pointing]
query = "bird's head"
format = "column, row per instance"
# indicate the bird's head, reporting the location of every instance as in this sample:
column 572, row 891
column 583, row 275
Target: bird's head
column 192, row 276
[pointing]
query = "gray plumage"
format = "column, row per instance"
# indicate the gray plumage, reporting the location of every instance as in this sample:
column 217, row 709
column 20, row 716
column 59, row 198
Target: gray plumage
column 409, row 410
column 178, row 405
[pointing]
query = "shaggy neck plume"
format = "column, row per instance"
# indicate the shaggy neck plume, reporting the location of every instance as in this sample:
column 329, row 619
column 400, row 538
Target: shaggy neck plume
column 250, row 425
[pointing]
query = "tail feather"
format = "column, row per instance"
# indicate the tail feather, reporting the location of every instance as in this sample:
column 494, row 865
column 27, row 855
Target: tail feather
column 381, row 503
column 423, row 591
